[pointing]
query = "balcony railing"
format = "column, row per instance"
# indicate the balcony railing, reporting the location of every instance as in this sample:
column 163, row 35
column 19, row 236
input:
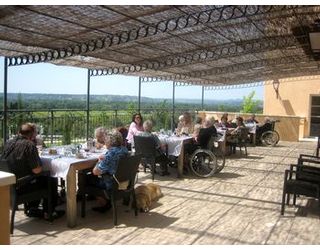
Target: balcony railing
column 60, row 126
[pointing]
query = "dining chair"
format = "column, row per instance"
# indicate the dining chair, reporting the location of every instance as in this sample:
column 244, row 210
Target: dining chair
column 146, row 146
column 122, row 188
column 20, row 193
column 300, row 180
column 242, row 140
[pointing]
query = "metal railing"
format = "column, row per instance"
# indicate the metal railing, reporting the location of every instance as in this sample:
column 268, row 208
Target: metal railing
column 65, row 126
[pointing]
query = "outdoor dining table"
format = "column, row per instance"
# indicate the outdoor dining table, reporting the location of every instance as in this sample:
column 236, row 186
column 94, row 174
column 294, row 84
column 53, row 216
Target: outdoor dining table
column 66, row 167
column 176, row 147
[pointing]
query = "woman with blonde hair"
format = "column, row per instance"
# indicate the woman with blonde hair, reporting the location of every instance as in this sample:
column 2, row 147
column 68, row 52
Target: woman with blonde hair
column 187, row 125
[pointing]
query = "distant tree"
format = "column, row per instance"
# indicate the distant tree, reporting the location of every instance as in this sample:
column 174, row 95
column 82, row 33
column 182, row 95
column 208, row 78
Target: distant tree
column 131, row 108
column 161, row 117
column 67, row 128
column 249, row 105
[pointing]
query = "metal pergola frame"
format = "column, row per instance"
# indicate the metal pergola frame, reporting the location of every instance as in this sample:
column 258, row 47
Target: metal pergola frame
column 216, row 47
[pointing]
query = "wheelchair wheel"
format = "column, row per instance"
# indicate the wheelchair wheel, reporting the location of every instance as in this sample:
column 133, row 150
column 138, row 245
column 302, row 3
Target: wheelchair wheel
column 270, row 138
column 221, row 159
column 203, row 163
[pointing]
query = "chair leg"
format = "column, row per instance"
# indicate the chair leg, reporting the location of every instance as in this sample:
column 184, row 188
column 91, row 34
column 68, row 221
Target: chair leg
column 114, row 210
column 82, row 192
column 50, row 195
column 83, row 205
column 153, row 166
column 134, row 203
column 245, row 148
column 288, row 199
column 283, row 202
column 294, row 199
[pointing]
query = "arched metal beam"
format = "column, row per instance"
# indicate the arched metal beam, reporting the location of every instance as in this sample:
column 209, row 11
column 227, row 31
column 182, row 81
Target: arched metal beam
column 231, row 68
column 224, row 51
column 244, row 82
column 214, row 15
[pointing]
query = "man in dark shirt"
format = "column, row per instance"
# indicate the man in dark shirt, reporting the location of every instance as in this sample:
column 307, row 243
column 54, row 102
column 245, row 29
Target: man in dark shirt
column 22, row 155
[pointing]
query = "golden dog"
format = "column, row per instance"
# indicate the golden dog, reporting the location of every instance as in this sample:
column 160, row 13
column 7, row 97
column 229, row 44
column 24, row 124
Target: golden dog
column 146, row 194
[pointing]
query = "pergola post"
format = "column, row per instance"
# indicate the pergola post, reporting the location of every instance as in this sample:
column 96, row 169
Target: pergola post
column 173, row 106
column 139, row 95
column 88, row 104
column 5, row 95
column 202, row 99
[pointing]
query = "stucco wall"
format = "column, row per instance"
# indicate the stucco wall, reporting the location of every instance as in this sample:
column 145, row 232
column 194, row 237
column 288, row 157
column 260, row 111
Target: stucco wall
column 294, row 99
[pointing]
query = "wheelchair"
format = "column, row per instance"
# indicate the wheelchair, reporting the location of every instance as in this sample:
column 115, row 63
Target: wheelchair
column 205, row 162
column 267, row 135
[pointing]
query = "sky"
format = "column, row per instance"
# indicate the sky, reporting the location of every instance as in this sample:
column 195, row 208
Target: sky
column 49, row 78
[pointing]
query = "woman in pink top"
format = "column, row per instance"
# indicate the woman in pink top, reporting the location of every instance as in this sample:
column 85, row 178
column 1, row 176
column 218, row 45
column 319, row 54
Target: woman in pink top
column 135, row 127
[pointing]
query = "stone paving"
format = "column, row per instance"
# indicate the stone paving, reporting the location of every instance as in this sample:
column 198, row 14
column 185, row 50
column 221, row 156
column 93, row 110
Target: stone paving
column 240, row 205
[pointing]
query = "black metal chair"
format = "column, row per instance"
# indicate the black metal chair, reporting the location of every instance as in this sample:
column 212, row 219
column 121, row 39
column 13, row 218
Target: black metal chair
column 300, row 180
column 146, row 147
column 305, row 159
column 20, row 194
column 242, row 140
column 125, row 174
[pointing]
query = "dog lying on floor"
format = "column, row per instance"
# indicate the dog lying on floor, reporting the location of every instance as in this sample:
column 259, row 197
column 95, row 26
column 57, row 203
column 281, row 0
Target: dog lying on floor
column 146, row 194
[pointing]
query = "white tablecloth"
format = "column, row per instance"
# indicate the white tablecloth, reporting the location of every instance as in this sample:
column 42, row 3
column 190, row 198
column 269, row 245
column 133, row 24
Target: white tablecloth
column 59, row 165
column 174, row 143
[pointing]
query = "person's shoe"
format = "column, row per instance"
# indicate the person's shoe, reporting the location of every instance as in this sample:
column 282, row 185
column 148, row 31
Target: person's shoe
column 34, row 212
column 56, row 214
column 102, row 209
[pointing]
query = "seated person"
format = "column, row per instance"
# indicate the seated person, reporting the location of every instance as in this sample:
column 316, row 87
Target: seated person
column 36, row 138
column 161, row 158
column 100, row 134
column 233, row 136
column 22, row 155
column 261, row 128
column 134, row 128
column 186, row 126
column 216, row 124
column 107, row 165
column 252, row 119
column 197, row 127
column 224, row 124
column 203, row 138
column 234, row 123
column 124, row 132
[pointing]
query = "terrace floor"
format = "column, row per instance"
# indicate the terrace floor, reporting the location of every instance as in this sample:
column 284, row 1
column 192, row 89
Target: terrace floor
column 241, row 205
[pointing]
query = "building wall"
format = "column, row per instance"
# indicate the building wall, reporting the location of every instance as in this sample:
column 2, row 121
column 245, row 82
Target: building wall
column 294, row 99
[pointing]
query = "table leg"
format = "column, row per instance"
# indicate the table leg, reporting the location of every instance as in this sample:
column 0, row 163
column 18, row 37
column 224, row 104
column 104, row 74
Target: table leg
column 71, row 198
column 4, row 215
column 180, row 163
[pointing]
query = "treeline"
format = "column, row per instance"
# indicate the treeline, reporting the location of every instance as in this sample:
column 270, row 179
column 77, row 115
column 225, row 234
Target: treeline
column 55, row 101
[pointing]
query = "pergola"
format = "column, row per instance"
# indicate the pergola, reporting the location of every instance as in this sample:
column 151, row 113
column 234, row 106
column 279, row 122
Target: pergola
column 210, row 46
